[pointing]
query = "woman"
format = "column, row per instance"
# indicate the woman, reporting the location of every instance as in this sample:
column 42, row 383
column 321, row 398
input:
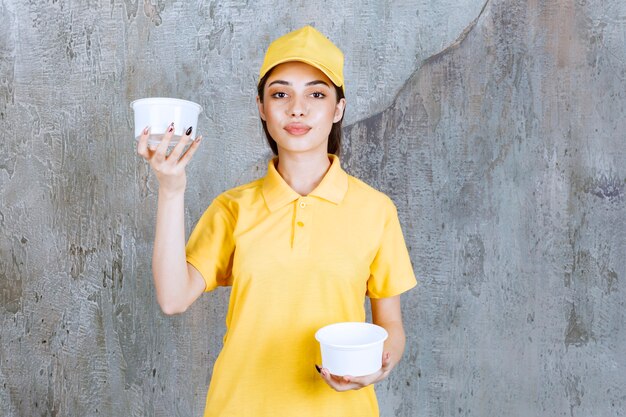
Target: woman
column 301, row 248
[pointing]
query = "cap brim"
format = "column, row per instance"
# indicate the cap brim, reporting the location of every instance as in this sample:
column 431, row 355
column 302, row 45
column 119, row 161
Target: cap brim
column 333, row 77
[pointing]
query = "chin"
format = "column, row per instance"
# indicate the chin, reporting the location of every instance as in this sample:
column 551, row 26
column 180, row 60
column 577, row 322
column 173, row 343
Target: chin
column 303, row 149
column 300, row 145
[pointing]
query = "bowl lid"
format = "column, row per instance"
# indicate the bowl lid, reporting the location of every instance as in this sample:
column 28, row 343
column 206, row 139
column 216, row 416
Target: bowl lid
column 351, row 335
column 164, row 101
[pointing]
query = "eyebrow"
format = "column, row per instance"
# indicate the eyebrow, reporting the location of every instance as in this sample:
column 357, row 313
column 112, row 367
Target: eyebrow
column 315, row 82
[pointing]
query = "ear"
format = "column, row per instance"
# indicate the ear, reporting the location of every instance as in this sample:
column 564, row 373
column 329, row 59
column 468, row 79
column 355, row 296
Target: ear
column 259, row 105
column 339, row 109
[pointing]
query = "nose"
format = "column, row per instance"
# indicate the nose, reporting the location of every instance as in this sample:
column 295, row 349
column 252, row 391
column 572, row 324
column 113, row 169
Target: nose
column 297, row 107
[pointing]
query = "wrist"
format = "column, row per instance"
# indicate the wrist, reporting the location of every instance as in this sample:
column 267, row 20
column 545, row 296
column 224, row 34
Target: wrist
column 166, row 194
column 171, row 186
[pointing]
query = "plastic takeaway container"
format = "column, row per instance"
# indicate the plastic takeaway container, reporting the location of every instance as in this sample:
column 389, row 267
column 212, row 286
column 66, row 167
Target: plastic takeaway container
column 159, row 112
column 351, row 348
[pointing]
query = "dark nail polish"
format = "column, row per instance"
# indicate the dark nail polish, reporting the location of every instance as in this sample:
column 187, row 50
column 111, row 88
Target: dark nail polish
column 319, row 370
column 188, row 132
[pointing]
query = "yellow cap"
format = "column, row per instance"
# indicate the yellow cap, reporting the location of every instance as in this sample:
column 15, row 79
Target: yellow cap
column 309, row 46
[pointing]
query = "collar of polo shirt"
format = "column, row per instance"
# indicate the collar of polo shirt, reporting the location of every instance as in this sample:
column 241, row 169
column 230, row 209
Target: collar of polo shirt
column 278, row 193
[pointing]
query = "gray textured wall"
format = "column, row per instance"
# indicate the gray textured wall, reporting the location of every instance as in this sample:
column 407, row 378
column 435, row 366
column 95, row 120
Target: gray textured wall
column 497, row 128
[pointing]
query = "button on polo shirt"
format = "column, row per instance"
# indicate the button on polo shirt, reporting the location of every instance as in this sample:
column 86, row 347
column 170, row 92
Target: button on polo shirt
column 295, row 263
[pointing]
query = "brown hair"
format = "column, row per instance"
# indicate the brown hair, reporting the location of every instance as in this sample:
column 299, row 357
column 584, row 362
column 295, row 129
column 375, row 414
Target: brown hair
column 334, row 137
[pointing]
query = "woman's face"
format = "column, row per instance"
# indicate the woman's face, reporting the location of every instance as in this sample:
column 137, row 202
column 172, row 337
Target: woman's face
column 300, row 106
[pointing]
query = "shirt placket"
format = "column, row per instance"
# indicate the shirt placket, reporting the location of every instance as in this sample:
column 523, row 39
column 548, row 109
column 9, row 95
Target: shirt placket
column 302, row 225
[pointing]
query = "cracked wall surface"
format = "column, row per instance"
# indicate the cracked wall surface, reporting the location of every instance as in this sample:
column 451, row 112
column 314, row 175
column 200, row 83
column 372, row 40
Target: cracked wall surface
column 496, row 127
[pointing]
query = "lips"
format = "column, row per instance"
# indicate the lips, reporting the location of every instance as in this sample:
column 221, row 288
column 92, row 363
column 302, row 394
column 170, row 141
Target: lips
column 297, row 129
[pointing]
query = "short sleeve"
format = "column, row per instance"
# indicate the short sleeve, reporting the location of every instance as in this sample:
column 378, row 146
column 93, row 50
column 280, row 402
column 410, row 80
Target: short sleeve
column 211, row 245
column 391, row 272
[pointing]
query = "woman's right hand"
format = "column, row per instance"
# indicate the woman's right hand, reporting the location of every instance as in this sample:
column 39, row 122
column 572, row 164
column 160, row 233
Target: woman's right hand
column 169, row 169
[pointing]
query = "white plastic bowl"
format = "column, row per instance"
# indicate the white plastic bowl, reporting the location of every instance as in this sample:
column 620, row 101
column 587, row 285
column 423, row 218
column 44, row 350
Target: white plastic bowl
column 159, row 112
column 351, row 348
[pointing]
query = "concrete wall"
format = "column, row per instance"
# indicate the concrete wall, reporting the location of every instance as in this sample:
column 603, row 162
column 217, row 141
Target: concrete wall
column 497, row 128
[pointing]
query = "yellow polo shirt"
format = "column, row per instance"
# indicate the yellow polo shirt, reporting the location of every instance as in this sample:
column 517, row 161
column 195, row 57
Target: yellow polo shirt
column 295, row 263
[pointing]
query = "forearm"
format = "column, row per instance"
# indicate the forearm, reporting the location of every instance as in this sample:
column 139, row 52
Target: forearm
column 387, row 313
column 169, row 264
column 396, row 341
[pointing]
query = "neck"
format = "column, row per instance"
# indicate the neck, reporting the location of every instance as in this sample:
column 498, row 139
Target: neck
column 303, row 172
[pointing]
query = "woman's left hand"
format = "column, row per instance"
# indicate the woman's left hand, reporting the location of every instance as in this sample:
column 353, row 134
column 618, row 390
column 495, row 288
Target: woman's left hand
column 346, row 382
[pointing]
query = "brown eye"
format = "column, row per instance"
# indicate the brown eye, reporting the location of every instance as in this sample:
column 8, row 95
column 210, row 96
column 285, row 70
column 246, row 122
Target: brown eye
column 279, row 94
column 318, row 94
